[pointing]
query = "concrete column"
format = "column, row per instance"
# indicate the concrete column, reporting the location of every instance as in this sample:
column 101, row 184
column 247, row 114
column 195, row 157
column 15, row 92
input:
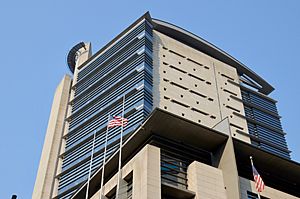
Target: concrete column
column 146, row 178
column 206, row 181
column 146, row 174
column 48, row 163
column 224, row 159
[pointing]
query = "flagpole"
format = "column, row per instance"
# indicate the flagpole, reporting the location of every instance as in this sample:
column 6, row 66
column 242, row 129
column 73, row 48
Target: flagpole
column 90, row 169
column 120, row 151
column 251, row 160
column 104, row 158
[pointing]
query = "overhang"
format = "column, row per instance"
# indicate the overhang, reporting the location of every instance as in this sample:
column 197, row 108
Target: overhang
column 163, row 124
column 277, row 172
column 71, row 58
column 204, row 46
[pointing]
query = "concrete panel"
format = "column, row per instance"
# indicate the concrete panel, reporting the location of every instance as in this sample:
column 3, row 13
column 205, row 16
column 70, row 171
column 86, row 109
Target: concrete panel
column 184, row 82
column 196, row 86
column 224, row 159
column 228, row 91
column 145, row 170
column 206, row 181
column 48, row 163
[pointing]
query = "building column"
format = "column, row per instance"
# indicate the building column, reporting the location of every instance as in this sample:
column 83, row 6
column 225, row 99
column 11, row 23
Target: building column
column 206, row 181
column 224, row 159
column 43, row 187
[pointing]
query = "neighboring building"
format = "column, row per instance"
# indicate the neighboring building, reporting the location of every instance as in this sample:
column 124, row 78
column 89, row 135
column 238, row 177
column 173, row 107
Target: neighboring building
column 195, row 115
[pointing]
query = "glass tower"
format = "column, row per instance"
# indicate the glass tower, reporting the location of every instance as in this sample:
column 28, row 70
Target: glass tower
column 123, row 69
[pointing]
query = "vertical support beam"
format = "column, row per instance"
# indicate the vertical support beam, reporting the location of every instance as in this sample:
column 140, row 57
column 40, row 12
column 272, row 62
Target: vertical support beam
column 224, row 159
column 146, row 174
column 206, row 181
column 43, row 187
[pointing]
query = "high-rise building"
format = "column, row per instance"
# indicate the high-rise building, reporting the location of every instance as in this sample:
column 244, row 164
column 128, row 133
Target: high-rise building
column 195, row 115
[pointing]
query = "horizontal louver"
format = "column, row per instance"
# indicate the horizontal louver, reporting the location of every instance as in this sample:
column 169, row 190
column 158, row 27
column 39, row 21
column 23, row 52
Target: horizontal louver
column 123, row 69
column 264, row 124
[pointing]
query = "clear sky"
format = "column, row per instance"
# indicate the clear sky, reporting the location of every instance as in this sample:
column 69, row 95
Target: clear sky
column 37, row 35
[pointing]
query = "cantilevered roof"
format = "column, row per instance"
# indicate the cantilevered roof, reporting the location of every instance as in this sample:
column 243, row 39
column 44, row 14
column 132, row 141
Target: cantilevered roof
column 159, row 123
column 204, row 46
column 277, row 172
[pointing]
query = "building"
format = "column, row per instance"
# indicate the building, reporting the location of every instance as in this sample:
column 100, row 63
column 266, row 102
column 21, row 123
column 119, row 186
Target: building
column 195, row 115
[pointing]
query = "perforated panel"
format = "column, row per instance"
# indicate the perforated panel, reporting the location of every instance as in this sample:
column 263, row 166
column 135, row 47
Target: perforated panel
column 195, row 86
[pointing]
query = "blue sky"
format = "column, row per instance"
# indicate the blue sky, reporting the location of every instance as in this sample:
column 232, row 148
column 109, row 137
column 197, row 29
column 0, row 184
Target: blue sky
column 37, row 35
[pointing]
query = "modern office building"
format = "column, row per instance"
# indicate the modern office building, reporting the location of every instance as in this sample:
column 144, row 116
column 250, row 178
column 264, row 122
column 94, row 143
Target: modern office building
column 195, row 115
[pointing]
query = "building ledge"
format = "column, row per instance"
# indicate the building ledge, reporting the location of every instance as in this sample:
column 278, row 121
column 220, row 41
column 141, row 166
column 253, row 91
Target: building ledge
column 277, row 172
column 176, row 192
column 163, row 124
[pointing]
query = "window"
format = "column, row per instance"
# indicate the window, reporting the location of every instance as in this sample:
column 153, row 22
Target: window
column 173, row 171
column 129, row 189
column 254, row 196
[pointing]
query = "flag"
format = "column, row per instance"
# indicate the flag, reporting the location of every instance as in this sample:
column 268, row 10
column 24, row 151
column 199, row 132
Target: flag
column 259, row 183
column 117, row 121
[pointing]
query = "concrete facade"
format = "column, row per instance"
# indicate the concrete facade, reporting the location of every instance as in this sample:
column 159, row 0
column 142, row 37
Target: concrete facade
column 196, row 86
column 145, row 170
column 206, row 181
column 56, row 125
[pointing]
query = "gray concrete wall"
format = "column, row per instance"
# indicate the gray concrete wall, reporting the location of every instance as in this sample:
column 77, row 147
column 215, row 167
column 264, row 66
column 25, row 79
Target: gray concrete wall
column 196, row 86
column 249, row 185
column 48, row 162
column 224, row 159
column 145, row 170
column 206, row 181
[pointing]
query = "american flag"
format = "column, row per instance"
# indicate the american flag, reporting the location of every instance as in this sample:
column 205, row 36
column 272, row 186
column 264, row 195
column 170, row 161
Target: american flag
column 117, row 121
column 259, row 183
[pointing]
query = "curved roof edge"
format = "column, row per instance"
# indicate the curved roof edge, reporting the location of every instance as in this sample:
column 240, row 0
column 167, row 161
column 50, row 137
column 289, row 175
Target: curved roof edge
column 71, row 58
column 202, row 45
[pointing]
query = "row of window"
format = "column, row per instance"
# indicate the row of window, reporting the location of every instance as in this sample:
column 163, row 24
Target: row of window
column 263, row 117
column 129, row 36
column 111, row 66
column 267, row 135
column 77, row 173
column 99, row 119
column 259, row 101
column 79, row 150
column 97, row 106
column 102, row 84
column 268, row 131
column 125, row 84
column 133, row 63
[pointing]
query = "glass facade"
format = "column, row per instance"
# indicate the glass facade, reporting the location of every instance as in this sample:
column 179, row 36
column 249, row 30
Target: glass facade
column 125, row 68
column 264, row 123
